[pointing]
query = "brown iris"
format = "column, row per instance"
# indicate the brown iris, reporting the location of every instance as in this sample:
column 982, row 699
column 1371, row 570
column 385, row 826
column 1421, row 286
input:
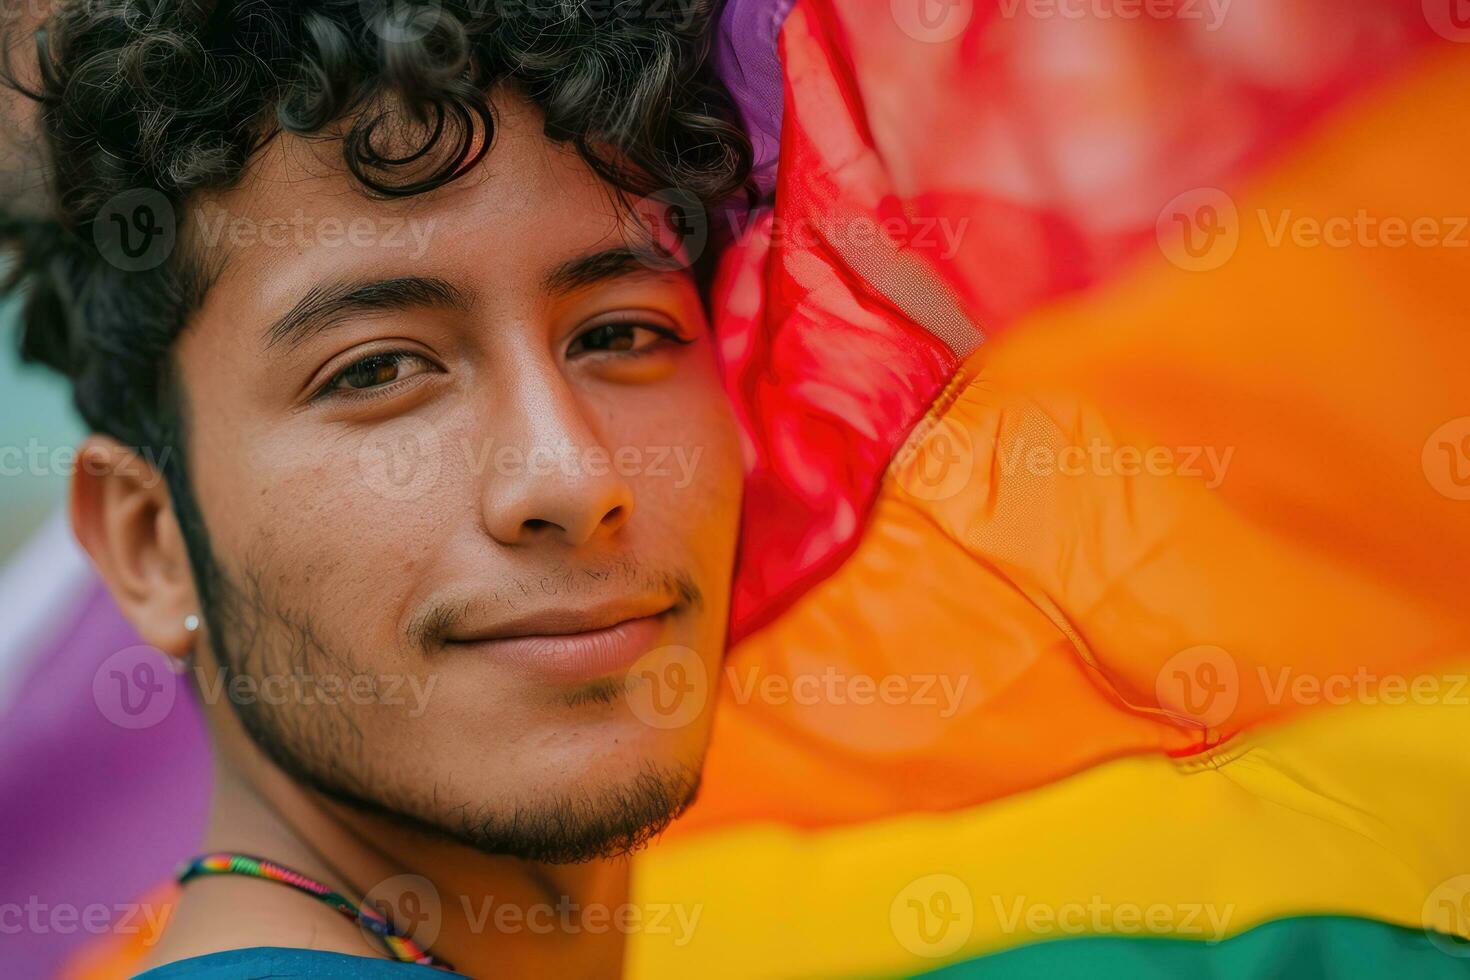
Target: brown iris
column 370, row 372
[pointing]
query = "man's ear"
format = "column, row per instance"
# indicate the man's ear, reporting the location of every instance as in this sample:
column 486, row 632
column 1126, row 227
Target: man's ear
column 123, row 516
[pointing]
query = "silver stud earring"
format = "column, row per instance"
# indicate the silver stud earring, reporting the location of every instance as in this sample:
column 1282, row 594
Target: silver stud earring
column 191, row 623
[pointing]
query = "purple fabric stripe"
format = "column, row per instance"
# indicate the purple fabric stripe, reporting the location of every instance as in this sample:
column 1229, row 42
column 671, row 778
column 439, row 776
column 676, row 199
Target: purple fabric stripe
column 94, row 813
column 746, row 57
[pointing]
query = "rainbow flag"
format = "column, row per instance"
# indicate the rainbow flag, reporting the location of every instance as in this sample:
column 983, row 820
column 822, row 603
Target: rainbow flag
column 1101, row 610
column 1106, row 389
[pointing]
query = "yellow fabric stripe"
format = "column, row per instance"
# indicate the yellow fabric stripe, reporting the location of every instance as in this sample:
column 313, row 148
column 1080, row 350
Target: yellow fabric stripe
column 1356, row 810
column 1349, row 811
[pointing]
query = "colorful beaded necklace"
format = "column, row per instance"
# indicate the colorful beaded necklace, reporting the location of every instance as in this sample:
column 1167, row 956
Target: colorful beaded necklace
column 401, row 948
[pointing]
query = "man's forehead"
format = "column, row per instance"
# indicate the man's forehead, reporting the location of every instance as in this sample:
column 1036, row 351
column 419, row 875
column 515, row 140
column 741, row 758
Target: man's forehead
column 298, row 217
column 327, row 304
column 293, row 178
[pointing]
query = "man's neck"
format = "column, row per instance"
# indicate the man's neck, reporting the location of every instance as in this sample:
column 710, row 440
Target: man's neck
column 486, row 915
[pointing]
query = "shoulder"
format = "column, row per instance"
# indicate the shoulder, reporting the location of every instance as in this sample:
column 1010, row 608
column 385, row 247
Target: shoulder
column 279, row 962
column 233, row 916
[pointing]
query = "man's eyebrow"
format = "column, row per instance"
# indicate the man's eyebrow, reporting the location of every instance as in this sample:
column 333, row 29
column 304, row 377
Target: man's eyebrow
column 325, row 305
column 609, row 263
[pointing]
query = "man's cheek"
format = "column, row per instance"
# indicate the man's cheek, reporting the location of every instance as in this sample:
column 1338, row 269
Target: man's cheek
column 325, row 525
column 675, row 468
column 404, row 461
column 401, row 467
column 690, row 493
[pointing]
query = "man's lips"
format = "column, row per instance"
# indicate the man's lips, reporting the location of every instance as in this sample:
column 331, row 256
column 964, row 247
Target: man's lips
column 569, row 647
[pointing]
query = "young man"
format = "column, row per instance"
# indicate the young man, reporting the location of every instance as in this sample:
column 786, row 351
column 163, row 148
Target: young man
column 410, row 447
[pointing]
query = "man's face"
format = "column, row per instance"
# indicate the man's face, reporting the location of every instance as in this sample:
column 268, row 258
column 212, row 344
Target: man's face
column 429, row 438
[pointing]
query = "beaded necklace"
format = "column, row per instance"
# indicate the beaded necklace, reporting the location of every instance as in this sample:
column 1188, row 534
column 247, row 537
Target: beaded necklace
column 401, row 948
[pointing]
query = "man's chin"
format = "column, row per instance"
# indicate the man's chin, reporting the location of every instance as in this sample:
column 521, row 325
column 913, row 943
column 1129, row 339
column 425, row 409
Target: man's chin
column 574, row 806
column 567, row 827
column 612, row 821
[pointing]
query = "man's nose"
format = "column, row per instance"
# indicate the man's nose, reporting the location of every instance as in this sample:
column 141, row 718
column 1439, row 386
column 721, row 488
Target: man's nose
column 551, row 477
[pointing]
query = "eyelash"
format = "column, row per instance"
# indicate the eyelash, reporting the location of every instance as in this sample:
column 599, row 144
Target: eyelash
column 663, row 333
column 335, row 388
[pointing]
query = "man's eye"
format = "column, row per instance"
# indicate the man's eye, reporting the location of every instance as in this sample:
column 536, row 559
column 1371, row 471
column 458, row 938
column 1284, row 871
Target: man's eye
column 378, row 371
column 619, row 338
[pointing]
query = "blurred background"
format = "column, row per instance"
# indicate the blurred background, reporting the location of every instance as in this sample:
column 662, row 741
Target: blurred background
column 36, row 419
column 1082, row 151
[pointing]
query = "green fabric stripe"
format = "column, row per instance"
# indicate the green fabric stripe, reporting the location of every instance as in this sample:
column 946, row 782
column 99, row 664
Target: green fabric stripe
column 1307, row 948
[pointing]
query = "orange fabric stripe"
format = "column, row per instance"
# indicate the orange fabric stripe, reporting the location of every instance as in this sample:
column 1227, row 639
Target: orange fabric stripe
column 1092, row 614
column 122, row 952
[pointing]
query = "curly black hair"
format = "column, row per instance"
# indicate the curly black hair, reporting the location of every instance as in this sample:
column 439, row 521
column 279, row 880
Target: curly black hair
column 173, row 97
